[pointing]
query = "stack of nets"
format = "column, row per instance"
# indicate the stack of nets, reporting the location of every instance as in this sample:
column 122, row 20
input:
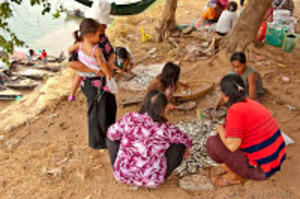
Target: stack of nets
column 198, row 131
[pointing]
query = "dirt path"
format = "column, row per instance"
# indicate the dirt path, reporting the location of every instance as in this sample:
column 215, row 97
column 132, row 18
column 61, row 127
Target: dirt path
column 58, row 140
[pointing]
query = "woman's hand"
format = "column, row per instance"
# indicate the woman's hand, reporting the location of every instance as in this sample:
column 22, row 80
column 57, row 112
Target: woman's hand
column 171, row 107
column 220, row 129
column 187, row 153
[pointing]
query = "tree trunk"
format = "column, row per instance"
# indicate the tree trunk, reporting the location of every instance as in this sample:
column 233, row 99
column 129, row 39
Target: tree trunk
column 167, row 22
column 246, row 28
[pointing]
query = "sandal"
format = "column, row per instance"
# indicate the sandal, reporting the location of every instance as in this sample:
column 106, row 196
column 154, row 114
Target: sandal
column 71, row 98
column 224, row 181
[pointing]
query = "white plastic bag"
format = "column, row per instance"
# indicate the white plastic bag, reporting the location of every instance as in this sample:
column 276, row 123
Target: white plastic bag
column 112, row 85
column 287, row 139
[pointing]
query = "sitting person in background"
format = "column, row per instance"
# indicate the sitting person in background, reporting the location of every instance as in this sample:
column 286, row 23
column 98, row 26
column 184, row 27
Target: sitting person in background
column 252, row 79
column 213, row 10
column 144, row 148
column 124, row 60
column 167, row 82
column 280, row 4
column 227, row 19
column 250, row 145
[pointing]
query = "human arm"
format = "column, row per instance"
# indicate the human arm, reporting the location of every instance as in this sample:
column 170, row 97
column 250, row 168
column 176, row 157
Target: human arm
column 73, row 48
column 102, row 64
column 115, row 132
column 231, row 143
column 252, row 85
column 178, row 137
column 78, row 66
column 183, row 85
column 220, row 101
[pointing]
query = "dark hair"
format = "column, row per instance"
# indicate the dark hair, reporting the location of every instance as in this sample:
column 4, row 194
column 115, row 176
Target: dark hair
column 31, row 52
column 232, row 6
column 154, row 104
column 170, row 74
column 242, row 2
column 122, row 52
column 239, row 56
column 87, row 26
column 233, row 86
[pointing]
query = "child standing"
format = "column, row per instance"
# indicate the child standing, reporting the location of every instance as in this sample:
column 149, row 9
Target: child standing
column 227, row 19
column 251, row 78
column 124, row 60
column 101, row 104
column 44, row 56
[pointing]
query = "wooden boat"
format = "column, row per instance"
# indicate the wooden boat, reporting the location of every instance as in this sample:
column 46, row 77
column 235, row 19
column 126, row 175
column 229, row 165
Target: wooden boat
column 7, row 94
column 22, row 83
column 33, row 73
column 196, row 90
column 53, row 67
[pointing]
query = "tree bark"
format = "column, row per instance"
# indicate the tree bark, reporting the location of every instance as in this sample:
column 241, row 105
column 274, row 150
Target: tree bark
column 167, row 22
column 246, row 28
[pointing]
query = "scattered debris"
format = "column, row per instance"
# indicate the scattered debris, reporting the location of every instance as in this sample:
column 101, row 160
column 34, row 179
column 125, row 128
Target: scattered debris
column 12, row 143
column 196, row 183
column 282, row 66
column 56, row 172
column 291, row 108
column 153, row 50
column 286, row 79
column 198, row 132
column 62, row 161
column 1, row 137
column 88, row 197
column 53, row 115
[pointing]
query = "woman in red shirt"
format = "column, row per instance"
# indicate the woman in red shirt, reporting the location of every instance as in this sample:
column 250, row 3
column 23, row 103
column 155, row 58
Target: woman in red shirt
column 250, row 145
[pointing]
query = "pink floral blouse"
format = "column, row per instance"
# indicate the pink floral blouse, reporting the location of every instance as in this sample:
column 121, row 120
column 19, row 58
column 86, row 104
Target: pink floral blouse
column 141, row 157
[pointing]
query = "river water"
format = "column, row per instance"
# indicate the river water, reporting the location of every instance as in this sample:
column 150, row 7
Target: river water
column 43, row 31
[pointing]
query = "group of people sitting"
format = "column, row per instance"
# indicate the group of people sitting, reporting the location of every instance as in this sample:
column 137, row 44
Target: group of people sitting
column 144, row 147
column 225, row 13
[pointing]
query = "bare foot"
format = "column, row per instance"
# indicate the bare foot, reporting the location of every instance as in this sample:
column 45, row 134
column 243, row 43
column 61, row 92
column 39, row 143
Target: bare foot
column 226, row 180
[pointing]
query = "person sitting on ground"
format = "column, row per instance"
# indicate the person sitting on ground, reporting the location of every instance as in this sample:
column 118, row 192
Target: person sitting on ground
column 144, row 148
column 250, row 145
column 251, row 78
column 227, row 19
column 167, row 82
column 124, row 60
column 213, row 10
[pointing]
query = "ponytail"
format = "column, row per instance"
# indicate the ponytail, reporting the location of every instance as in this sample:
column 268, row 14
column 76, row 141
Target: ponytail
column 77, row 36
column 87, row 26
column 234, row 88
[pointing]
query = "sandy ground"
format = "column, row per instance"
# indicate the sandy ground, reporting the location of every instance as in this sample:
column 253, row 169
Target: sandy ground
column 58, row 139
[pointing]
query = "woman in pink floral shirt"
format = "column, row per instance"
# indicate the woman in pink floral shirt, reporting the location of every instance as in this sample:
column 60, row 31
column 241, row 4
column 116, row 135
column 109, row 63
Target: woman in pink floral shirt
column 144, row 148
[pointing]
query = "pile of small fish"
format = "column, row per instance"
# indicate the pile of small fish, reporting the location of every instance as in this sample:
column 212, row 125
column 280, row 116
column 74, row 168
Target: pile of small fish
column 198, row 132
column 142, row 80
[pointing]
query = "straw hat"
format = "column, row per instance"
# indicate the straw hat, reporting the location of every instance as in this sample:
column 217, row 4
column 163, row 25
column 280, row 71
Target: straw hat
column 100, row 12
